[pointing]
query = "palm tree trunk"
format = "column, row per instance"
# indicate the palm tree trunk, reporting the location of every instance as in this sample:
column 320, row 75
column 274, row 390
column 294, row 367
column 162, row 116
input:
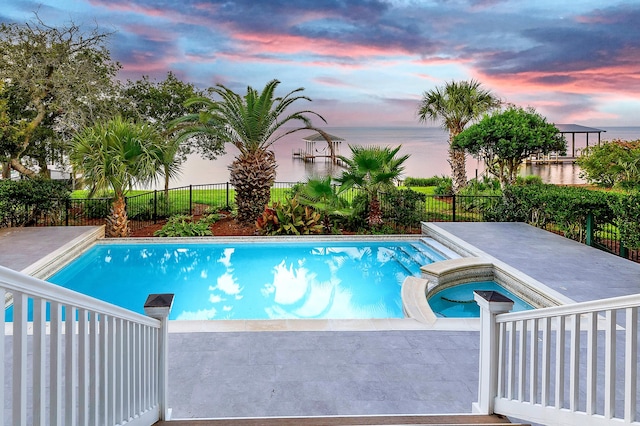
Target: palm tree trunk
column 117, row 222
column 252, row 175
column 375, row 213
column 458, row 160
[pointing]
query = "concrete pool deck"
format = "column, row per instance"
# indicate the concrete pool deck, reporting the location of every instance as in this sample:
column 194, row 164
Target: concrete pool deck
column 220, row 373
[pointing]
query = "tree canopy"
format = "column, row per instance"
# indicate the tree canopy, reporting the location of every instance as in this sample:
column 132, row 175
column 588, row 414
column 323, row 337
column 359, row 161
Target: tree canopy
column 615, row 163
column 56, row 80
column 160, row 102
column 504, row 139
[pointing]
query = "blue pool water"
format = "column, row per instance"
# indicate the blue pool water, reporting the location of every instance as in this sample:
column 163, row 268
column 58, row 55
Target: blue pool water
column 447, row 303
column 338, row 280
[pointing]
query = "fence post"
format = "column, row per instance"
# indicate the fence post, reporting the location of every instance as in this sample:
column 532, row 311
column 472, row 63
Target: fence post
column 491, row 304
column 228, row 206
column 624, row 251
column 66, row 211
column 159, row 306
column 155, row 206
column 190, row 199
column 454, row 206
column 589, row 237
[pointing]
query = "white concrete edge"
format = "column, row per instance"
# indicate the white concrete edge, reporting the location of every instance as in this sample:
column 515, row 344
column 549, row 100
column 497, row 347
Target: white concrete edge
column 54, row 261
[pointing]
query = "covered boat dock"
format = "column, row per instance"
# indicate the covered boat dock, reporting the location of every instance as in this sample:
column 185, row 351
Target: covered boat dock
column 573, row 149
column 310, row 152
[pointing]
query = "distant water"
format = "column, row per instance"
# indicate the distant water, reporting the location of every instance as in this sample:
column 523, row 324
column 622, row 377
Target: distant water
column 427, row 147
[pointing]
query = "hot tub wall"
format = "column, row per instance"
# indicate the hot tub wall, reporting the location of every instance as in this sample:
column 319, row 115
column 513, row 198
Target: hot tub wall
column 449, row 273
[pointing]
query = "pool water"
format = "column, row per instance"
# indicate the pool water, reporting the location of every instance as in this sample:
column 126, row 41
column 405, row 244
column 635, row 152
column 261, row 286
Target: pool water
column 458, row 302
column 338, row 280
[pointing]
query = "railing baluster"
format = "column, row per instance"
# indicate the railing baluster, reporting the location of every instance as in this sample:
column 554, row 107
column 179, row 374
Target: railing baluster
column 533, row 365
column 103, row 399
column 127, row 370
column 631, row 365
column 19, row 359
column 111, row 371
column 39, row 360
column 592, row 361
column 83, row 367
column 70, row 374
column 574, row 364
column 546, row 361
column 560, row 338
column 522, row 349
column 610, row 364
column 119, row 372
column 55, row 365
column 94, row 369
column 502, row 327
column 512, row 366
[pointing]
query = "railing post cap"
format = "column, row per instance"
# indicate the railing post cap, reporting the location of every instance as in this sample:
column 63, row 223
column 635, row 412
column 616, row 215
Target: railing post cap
column 158, row 305
column 493, row 301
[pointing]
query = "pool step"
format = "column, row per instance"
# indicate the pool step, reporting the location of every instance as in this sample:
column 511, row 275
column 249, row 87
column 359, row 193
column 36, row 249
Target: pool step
column 446, row 419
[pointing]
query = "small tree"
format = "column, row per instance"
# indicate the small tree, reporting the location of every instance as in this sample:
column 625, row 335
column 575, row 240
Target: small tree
column 372, row 169
column 115, row 156
column 503, row 140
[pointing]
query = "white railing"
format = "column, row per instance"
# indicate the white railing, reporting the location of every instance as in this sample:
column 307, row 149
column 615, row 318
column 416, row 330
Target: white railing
column 70, row 359
column 565, row 365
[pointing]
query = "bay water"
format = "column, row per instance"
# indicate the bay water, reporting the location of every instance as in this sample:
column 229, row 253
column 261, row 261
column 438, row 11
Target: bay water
column 427, row 148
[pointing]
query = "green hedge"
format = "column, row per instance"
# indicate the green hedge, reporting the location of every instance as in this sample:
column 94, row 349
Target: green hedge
column 29, row 201
column 558, row 208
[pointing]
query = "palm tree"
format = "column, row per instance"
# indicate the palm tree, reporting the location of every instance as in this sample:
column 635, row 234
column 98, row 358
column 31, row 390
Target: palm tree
column 456, row 104
column 250, row 123
column 372, row 169
column 115, row 156
column 322, row 195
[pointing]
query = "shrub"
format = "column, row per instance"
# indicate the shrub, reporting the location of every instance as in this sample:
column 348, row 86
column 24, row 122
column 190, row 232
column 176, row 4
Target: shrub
column 184, row 226
column 96, row 208
column 529, row 180
column 627, row 211
column 289, row 218
column 564, row 208
column 616, row 163
column 357, row 220
column 444, row 187
column 404, row 207
column 22, row 202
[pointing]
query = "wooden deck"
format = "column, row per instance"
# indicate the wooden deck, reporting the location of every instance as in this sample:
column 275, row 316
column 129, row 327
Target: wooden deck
column 460, row 419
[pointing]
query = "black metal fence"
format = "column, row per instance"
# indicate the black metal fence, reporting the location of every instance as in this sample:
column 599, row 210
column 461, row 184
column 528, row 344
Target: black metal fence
column 604, row 235
column 151, row 207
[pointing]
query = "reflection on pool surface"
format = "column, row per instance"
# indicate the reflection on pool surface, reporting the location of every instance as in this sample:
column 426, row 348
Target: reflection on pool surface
column 327, row 279
column 458, row 302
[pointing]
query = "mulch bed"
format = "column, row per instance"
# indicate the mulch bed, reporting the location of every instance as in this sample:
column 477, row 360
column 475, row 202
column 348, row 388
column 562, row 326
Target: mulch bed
column 222, row 228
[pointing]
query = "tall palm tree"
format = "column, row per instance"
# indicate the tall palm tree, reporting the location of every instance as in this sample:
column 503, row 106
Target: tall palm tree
column 372, row 169
column 250, row 123
column 114, row 156
column 456, row 103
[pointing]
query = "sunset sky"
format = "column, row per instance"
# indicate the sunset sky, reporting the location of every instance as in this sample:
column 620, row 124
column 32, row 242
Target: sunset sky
column 367, row 62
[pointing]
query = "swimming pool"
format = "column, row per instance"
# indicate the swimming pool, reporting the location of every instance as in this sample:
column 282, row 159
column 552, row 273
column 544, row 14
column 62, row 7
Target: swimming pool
column 253, row 280
column 458, row 302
